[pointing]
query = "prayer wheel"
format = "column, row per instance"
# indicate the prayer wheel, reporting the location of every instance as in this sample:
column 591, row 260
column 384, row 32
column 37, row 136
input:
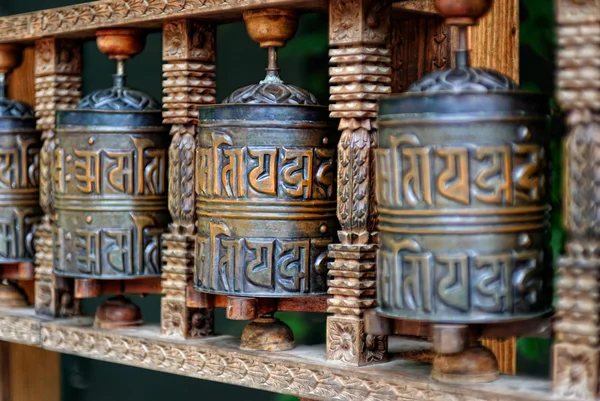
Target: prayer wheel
column 110, row 187
column 19, row 172
column 265, row 188
column 462, row 188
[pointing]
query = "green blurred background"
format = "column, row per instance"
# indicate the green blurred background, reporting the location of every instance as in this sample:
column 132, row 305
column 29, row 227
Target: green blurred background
column 240, row 62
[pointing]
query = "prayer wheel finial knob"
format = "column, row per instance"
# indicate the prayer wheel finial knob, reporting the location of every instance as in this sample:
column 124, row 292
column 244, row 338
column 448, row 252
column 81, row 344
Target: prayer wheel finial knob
column 120, row 44
column 271, row 27
column 462, row 12
column 11, row 56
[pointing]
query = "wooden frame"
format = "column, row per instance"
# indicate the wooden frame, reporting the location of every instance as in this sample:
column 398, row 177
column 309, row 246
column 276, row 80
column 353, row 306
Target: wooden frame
column 366, row 46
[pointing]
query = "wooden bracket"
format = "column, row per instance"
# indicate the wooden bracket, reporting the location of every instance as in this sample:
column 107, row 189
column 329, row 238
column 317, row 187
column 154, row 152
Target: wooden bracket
column 244, row 308
column 91, row 288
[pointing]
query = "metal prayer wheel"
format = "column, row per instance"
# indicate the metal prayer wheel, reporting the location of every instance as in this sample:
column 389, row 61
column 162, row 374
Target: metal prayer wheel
column 109, row 184
column 462, row 189
column 19, row 169
column 265, row 189
column 463, row 209
column 265, row 192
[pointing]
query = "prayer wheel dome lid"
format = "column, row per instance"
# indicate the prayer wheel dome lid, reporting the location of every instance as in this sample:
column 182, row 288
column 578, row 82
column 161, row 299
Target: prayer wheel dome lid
column 119, row 45
column 118, row 98
column 464, row 79
column 271, row 90
column 14, row 108
column 271, row 28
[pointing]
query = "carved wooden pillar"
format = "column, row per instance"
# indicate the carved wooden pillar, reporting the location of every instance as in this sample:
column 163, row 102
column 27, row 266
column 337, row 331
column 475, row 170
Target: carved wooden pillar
column 577, row 348
column 188, row 81
column 358, row 38
column 57, row 86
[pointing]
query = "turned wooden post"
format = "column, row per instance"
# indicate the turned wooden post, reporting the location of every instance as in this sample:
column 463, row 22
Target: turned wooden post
column 577, row 348
column 188, row 81
column 57, row 86
column 360, row 72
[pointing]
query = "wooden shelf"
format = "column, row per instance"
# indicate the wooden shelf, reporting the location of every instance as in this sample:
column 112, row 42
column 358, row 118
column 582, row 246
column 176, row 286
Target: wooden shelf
column 82, row 20
column 302, row 372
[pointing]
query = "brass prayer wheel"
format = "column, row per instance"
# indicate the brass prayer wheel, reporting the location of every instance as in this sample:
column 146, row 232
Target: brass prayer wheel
column 462, row 189
column 462, row 192
column 19, row 164
column 265, row 188
column 109, row 185
column 462, row 177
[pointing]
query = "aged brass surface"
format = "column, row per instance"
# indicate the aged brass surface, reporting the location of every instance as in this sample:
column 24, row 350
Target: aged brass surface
column 19, row 169
column 462, row 190
column 110, row 187
column 265, row 199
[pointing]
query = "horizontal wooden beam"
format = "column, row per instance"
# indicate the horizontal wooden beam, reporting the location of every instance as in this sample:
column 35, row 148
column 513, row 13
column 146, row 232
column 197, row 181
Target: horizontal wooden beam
column 302, row 372
column 82, row 20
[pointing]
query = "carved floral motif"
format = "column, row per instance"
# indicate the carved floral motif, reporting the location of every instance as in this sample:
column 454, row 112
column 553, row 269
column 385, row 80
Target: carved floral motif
column 342, row 339
column 172, row 319
column 345, row 23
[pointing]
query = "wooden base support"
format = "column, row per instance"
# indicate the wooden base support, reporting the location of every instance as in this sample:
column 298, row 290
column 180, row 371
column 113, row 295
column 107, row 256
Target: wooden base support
column 118, row 312
column 11, row 296
column 498, row 338
column 17, row 271
column 460, row 357
column 92, row 288
column 265, row 332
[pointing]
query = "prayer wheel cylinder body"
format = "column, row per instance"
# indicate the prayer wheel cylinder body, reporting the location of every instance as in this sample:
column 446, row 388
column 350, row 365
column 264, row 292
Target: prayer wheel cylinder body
column 110, row 191
column 265, row 196
column 19, row 174
column 462, row 189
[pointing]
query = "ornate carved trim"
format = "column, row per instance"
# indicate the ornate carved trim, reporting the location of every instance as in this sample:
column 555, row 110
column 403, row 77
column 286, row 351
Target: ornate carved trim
column 302, row 372
column 84, row 19
column 20, row 329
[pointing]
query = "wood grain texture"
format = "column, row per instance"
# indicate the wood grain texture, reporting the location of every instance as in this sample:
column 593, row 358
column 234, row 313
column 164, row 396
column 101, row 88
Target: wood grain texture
column 34, row 374
column 495, row 41
column 5, row 370
column 505, row 352
column 21, row 81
